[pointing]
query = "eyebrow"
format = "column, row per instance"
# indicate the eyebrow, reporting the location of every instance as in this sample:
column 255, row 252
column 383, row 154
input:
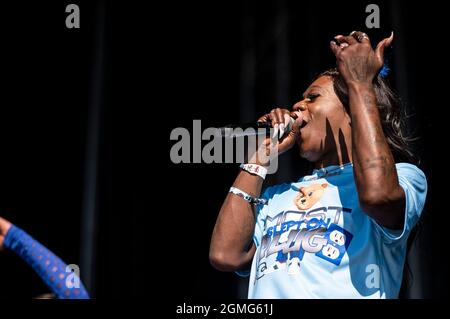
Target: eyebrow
column 312, row 87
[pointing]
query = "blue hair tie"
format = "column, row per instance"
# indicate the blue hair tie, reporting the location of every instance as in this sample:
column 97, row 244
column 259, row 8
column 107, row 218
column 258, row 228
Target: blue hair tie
column 384, row 72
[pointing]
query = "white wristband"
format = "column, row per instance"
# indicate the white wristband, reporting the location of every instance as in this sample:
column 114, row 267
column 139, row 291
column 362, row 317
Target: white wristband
column 256, row 169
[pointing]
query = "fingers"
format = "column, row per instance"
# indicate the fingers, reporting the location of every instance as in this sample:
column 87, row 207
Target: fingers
column 279, row 121
column 341, row 42
column 360, row 37
column 379, row 50
column 274, row 118
column 334, row 47
column 298, row 116
column 264, row 119
column 287, row 140
column 281, row 140
column 345, row 39
column 337, row 49
column 287, row 121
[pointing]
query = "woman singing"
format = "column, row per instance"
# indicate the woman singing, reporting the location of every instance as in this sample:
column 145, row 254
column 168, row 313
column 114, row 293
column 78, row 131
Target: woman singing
column 340, row 232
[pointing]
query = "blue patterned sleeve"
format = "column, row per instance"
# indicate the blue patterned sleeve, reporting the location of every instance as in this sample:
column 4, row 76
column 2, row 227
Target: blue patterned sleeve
column 52, row 270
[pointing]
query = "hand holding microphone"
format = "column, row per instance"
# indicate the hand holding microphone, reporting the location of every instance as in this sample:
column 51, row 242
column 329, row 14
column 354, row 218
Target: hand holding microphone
column 281, row 120
column 286, row 126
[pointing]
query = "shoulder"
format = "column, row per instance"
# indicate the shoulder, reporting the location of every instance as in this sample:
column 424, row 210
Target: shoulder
column 408, row 168
column 414, row 183
column 409, row 173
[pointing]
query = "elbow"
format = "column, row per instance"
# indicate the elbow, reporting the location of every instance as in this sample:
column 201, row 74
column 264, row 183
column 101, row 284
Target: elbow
column 385, row 207
column 371, row 200
column 223, row 262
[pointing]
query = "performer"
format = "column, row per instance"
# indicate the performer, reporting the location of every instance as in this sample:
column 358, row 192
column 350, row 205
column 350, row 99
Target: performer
column 340, row 232
column 49, row 267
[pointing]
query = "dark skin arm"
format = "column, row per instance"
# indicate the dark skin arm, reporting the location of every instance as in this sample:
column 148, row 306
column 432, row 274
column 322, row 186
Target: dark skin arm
column 232, row 246
column 380, row 194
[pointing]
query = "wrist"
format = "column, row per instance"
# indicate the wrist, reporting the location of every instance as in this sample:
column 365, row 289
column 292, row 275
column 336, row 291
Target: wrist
column 265, row 165
column 359, row 86
column 255, row 169
column 247, row 197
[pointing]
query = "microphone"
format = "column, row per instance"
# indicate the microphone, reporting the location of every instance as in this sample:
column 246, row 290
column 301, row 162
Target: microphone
column 249, row 129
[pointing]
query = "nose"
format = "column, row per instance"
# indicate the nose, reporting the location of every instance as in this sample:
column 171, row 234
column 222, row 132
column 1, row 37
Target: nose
column 300, row 106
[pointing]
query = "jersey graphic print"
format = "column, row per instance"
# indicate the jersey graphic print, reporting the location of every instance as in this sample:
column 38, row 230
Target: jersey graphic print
column 289, row 234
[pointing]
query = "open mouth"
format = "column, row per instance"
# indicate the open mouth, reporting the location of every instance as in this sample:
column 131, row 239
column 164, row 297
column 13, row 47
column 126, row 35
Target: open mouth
column 297, row 115
column 304, row 123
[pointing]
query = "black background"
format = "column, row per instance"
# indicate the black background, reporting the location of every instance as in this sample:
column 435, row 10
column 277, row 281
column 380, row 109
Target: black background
column 165, row 64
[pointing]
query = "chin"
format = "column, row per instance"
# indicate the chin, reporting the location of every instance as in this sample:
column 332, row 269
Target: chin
column 309, row 154
column 305, row 154
column 310, row 151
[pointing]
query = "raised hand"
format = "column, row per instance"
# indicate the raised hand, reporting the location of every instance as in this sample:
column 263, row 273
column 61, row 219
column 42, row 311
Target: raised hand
column 355, row 59
column 4, row 227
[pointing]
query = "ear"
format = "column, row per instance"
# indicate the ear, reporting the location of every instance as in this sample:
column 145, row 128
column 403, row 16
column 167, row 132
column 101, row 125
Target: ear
column 324, row 185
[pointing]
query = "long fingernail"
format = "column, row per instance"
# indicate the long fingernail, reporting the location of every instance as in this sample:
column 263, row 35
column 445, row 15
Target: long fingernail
column 282, row 127
column 275, row 130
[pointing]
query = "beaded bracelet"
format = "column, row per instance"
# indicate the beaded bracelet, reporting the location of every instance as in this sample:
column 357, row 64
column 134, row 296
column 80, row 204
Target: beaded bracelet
column 247, row 197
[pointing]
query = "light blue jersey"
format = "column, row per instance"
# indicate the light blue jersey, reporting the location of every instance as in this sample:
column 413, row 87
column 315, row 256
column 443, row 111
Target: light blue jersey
column 313, row 240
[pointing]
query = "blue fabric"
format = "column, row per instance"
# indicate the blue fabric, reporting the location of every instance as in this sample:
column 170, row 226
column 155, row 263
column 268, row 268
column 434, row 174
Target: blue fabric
column 314, row 241
column 52, row 270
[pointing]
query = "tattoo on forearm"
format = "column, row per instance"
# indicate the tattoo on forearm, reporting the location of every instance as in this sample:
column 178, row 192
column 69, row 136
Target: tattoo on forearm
column 383, row 163
column 372, row 157
column 370, row 162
